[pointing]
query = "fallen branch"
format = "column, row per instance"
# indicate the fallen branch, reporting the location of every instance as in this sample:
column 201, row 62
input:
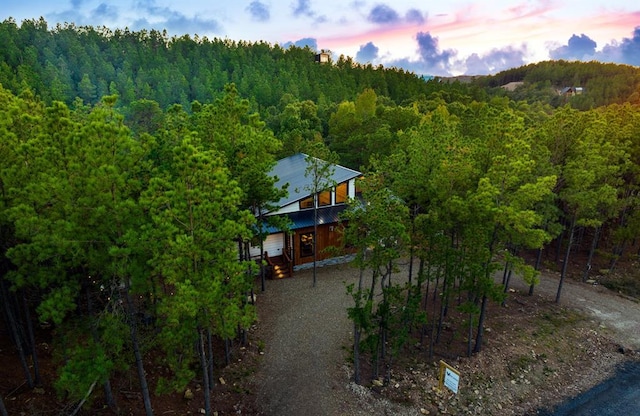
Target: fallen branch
column 84, row 399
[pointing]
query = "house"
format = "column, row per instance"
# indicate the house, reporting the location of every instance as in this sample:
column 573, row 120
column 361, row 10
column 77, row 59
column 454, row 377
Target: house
column 295, row 248
column 322, row 57
column 570, row 91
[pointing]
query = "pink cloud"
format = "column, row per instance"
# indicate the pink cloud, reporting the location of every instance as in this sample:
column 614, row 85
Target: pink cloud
column 476, row 27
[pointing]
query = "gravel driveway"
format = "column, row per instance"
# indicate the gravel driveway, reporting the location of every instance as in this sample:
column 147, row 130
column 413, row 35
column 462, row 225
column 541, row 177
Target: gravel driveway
column 307, row 337
column 614, row 311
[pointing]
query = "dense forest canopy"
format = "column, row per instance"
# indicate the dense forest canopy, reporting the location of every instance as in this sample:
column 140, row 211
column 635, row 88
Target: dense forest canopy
column 131, row 167
column 602, row 83
column 66, row 62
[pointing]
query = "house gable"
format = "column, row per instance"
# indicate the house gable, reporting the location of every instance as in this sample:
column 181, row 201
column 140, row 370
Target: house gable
column 291, row 170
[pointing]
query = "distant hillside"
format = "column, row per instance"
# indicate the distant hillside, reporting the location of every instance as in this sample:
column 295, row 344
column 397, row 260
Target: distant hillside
column 68, row 61
column 601, row 83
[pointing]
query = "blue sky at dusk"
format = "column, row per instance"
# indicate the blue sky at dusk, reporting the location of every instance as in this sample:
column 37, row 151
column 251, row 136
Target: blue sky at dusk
column 425, row 37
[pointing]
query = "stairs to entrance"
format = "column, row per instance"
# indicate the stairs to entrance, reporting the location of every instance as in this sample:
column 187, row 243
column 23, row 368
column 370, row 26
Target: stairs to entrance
column 279, row 267
column 280, row 271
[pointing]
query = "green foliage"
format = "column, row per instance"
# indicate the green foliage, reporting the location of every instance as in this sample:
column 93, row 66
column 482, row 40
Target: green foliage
column 85, row 362
column 376, row 229
column 196, row 222
column 90, row 62
column 460, row 175
column 86, row 365
column 603, row 83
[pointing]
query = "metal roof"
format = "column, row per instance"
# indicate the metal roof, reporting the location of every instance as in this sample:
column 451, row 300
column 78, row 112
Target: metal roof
column 292, row 169
column 304, row 218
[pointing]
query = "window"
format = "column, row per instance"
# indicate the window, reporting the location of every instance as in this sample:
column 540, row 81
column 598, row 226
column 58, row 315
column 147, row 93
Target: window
column 358, row 189
column 306, row 203
column 342, row 193
column 324, row 198
column 306, row 244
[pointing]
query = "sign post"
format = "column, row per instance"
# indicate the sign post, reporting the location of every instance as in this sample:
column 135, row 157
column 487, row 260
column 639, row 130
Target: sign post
column 449, row 377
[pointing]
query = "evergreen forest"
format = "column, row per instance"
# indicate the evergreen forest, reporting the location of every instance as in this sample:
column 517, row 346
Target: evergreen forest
column 131, row 166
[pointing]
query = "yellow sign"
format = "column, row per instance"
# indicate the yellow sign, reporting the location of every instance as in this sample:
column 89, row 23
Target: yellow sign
column 449, row 377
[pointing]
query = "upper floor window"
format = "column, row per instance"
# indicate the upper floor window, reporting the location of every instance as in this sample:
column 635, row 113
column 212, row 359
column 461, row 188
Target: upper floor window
column 358, row 189
column 342, row 193
column 306, row 203
column 324, row 198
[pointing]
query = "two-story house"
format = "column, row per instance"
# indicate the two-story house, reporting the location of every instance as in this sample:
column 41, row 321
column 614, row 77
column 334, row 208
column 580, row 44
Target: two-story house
column 297, row 247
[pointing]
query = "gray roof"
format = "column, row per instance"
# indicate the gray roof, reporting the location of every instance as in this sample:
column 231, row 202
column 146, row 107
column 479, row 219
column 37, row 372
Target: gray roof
column 292, row 169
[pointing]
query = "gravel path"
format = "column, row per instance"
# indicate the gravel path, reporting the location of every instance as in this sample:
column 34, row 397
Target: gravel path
column 613, row 311
column 307, row 338
column 307, row 335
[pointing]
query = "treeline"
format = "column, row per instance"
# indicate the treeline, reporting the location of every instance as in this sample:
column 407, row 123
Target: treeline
column 602, row 83
column 467, row 192
column 68, row 61
column 131, row 248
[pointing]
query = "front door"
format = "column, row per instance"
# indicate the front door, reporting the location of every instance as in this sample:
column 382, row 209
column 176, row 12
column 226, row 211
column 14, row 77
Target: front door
column 305, row 246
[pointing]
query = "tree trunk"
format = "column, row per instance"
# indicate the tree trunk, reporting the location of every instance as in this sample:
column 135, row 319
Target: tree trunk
column 411, row 250
column 356, row 353
column 619, row 247
column 210, row 348
column 433, row 324
column 13, row 330
column 206, row 389
column 538, row 259
column 383, row 318
column 106, row 386
column 470, row 336
column 357, row 331
column 32, row 340
column 566, row 260
column 133, row 330
column 315, row 236
column 425, row 305
column 617, row 254
column 536, row 267
column 580, row 236
column 559, row 244
column 504, row 274
column 594, row 244
column 108, row 395
column 479, row 337
column 227, row 352
column 263, row 283
column 444, row 300
column 3, row 410
column 507, row 281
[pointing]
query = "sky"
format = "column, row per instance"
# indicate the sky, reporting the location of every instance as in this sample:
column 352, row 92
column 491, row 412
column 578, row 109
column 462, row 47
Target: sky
column 442, row 38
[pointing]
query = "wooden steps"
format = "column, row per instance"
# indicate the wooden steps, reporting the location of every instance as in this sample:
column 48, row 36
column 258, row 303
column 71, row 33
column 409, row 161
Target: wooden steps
column 280, row 271
column 279, row 267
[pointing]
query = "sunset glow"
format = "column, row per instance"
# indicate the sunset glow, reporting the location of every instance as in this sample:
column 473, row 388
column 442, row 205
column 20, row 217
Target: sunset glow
column 440, row 39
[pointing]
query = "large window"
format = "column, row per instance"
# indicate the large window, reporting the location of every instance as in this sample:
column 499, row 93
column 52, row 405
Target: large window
column 342, row 193
column 306, row 203
column 324, row 198
column 306, row 244
column 358, row 189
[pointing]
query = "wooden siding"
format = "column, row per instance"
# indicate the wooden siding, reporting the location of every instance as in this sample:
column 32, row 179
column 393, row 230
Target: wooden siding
column 328, row 235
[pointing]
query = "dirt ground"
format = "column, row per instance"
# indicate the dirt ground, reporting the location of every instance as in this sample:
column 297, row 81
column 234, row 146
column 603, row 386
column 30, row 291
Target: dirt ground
column 297, row 361
column 537, row 353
